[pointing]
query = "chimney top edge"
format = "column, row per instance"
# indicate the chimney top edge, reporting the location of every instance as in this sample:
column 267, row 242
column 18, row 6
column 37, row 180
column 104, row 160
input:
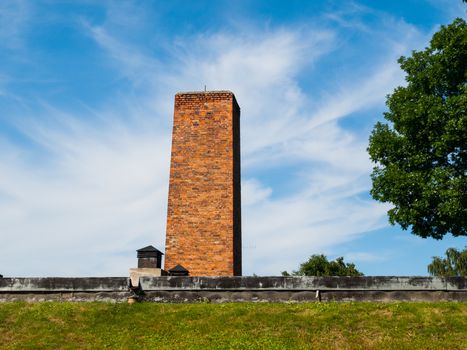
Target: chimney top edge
column 212, row 92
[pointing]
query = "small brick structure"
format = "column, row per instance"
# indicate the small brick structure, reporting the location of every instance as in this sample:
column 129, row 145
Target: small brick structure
column 149, row 257
column 178, row 271
column 149, row 265
column 204, row 216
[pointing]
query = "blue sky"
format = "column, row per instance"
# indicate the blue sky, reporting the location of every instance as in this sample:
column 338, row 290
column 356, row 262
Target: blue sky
column 86, row 105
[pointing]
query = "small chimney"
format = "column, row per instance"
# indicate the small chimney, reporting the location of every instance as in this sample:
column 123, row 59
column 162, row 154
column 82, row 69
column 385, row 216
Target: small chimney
column 149, row 257
column 149, row 265
column 178, row 270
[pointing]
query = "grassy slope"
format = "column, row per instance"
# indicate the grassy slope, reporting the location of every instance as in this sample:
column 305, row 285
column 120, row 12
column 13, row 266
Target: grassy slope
column 234, row 326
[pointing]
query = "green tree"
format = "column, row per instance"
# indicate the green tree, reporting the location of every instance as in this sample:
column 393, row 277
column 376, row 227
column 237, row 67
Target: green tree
column 455, row 264
column 421, row 155
column 318, row 265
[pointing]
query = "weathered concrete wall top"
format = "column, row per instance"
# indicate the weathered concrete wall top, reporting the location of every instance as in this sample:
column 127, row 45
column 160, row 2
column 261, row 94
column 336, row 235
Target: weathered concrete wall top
column 176, row 289
column 303, row 283
column 64, row 284
column 121, row 284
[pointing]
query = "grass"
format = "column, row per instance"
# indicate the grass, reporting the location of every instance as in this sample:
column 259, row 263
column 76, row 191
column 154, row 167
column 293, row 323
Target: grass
column 51, row 325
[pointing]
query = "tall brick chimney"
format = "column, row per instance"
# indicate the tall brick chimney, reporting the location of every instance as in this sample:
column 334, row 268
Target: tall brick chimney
column 204, row 216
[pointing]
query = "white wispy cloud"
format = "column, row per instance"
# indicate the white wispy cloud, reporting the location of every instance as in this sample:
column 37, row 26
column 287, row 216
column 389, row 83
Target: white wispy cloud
column 14, row 15
column 451, row 9
column 130, row 63
column 95, row 189
column 366, row 257
column 97, row 193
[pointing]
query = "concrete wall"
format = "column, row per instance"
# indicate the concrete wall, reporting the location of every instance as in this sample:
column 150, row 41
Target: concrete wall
column 64, row 288
column 236, row 289
column 301, row 289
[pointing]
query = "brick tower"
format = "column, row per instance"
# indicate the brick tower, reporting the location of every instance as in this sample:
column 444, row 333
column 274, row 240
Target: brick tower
column 204, row 216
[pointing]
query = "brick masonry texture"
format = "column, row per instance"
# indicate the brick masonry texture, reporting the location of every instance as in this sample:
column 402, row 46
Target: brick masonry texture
column 204, row 211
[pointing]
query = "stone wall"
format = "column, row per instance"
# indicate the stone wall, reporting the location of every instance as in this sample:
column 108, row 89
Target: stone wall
column 113, row 289
column 203, row 219
column 236, row 289
column 302, row 289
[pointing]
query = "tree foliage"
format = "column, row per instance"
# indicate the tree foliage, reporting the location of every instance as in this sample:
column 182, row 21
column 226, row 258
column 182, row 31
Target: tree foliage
column 318, row 265
column 421, row 154
column 455, row 264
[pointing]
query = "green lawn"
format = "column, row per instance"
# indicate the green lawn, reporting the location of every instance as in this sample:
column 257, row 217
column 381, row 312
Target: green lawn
column 233, row 326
